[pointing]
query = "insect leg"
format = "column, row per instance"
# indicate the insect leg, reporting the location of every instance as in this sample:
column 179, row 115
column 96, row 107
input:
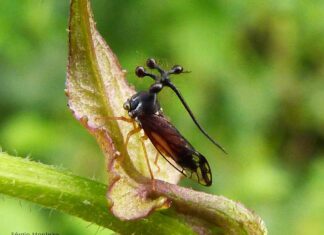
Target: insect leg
column 146, row 157
column 121, row 118
column 148, row 162
column 132, row 132
column 156, row 159
column 100, row 119
column 129, row 134
column 144, row 137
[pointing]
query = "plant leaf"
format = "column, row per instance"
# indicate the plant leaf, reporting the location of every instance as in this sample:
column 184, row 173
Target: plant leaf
column 96, row 90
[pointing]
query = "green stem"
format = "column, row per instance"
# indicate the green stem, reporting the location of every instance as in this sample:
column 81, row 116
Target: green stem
column 74, row 195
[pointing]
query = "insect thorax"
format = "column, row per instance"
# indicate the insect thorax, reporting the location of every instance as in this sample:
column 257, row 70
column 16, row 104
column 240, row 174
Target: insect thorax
column 143, row 103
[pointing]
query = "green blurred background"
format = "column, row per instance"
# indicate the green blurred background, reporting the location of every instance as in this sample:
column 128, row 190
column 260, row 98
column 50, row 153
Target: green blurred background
column 256, row 84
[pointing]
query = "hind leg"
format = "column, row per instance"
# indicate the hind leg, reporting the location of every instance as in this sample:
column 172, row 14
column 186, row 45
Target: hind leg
column 156, row 160
column 147, row 161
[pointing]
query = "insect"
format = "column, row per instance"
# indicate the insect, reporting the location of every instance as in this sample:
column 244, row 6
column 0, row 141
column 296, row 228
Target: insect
column 144, row 108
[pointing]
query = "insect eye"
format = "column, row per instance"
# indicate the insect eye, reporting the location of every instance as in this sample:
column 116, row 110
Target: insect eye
column 177, row 69
column 151, row 63
column 140, row 71
column 126, row 105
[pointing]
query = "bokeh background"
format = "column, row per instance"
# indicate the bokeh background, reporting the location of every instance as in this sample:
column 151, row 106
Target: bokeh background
column 256, row 84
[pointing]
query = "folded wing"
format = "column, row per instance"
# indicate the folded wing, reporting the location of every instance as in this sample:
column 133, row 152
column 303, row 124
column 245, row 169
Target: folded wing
column 171, row 144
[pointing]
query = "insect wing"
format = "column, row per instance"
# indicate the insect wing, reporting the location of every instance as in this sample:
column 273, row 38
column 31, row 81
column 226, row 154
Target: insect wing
column 199, row 169
column 171, row 144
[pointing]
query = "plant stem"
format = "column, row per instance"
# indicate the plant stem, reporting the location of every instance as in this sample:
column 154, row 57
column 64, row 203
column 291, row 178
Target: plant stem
column 74, row 195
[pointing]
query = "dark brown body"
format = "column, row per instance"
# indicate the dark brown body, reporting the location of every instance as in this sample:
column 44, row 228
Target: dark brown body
column 170, row 143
